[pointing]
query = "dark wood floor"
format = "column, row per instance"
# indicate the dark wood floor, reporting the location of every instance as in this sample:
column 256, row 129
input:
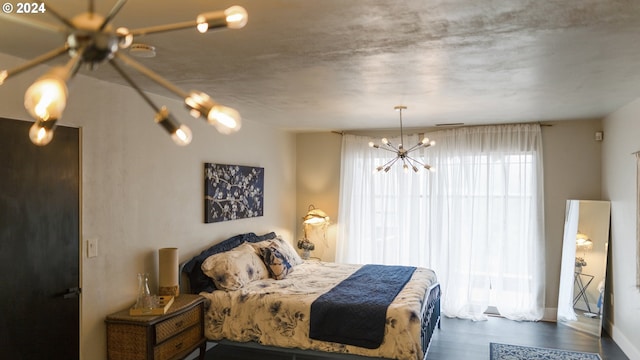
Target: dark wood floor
column 464, row 339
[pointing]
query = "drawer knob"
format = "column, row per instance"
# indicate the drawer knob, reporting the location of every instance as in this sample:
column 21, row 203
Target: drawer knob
column 178, row 346
column 179, row 324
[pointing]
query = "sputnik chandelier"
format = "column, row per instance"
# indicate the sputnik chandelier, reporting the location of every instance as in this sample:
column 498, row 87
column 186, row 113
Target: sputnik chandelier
column 90, row 40
column 401, row 152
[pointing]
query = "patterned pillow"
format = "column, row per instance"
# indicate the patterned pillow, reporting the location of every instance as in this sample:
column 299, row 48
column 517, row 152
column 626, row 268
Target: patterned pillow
column 277, row 263
column 283, row 247
column 198, row 281
column 231, row 270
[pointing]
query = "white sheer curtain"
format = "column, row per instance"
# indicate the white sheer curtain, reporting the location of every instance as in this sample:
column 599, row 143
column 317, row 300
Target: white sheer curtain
column 567, row 268
column 477, row 220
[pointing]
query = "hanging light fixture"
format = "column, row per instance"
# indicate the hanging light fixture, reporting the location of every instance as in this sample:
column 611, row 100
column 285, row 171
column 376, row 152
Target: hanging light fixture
column 90, row 40
column 401, row 152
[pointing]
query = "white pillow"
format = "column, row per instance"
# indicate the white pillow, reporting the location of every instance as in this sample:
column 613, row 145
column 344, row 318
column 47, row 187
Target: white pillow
column 233, row 269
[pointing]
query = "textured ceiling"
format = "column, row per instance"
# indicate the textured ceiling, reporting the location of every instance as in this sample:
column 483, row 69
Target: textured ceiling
column 310, row 65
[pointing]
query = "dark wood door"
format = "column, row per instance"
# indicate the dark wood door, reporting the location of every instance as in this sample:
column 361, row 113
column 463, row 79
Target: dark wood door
column 39, row 244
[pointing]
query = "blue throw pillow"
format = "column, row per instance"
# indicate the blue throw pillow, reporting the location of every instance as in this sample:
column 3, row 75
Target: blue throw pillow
column 276, row 262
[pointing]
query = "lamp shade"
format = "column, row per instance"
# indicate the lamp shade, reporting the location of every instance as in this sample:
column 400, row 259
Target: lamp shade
column 583, row 241
column 168, row 278
column 315, row 216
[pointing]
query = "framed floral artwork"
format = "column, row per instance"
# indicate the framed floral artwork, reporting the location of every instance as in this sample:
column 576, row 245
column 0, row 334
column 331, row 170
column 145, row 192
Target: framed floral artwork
column 232, row 192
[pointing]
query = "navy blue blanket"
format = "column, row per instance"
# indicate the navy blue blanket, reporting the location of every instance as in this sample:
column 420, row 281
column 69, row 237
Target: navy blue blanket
column 354, row 312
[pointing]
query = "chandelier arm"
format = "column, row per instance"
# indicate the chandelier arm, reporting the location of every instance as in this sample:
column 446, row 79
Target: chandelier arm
column 164, row 28
column 23, row 20
column 32, row 63
column 412, row 162
column 391, row 162
column 152, row 75
column 389, row 150
column 135, row 86
column 73, row 65
column 390, row 145
column 114, row 11
column 417, row 146
column 387, row 163
column 58, row 16
column 426, row 166
column 415, row 160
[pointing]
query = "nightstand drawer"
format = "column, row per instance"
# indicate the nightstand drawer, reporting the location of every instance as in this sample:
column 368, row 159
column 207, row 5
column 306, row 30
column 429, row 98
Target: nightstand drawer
column 174, row 325
column 173, row 346
column 170, row 336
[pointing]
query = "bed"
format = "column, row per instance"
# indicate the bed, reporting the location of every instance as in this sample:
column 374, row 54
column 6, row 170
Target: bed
column 260, row 293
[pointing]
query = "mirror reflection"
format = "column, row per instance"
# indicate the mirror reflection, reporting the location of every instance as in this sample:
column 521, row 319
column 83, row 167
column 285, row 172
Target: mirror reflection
column 584, row 264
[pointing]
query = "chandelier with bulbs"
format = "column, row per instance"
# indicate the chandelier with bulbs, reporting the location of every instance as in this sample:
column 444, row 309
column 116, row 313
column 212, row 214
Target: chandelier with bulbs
column 402, row 154
column 90, row 40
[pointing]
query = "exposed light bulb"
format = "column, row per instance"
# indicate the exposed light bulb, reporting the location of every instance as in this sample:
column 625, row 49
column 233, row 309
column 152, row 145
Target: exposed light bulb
column 41, row 132
column 182, row 136
column 3, row 76
column 225, row 119
column 202, row 26
column 126, row 38
column 385, row 141
column 47, row 97
column 236, row 17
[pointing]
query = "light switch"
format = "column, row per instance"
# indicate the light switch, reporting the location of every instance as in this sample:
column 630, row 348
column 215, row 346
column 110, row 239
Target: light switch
column 92, row 248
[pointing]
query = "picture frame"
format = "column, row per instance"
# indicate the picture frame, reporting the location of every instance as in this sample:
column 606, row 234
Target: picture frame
column 232, row 192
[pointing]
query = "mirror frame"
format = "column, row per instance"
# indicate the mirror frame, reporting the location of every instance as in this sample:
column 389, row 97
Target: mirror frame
column 583, row 268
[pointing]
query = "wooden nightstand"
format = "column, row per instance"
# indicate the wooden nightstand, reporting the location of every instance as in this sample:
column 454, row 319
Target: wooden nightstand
column 173, row 335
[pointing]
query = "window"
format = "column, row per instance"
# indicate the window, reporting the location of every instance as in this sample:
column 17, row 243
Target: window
column 477, row 221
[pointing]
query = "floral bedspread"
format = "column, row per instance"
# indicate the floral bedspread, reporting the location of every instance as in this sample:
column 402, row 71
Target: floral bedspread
column 276, row 312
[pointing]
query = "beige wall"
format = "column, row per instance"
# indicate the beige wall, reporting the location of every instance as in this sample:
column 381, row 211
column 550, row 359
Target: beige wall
column 572, row 168
column 571, row 171
column 622, row 138
column 141, row 192
column 318, row 183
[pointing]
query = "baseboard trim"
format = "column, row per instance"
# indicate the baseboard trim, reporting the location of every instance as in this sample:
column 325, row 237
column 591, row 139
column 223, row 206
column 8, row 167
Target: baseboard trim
column 550, row 314
column 629, row 349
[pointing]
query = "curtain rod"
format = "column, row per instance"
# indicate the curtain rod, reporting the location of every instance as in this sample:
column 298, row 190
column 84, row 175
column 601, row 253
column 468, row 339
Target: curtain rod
column 436, row 128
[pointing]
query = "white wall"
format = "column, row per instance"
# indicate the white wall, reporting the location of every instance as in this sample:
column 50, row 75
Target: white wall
column 140, row 192
column 622, row 138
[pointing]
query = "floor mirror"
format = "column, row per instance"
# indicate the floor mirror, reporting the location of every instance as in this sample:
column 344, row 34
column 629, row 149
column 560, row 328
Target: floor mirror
column 584, row 263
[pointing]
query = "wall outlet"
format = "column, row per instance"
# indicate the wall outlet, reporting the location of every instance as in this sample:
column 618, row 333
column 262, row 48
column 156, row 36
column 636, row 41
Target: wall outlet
column 92, row 248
